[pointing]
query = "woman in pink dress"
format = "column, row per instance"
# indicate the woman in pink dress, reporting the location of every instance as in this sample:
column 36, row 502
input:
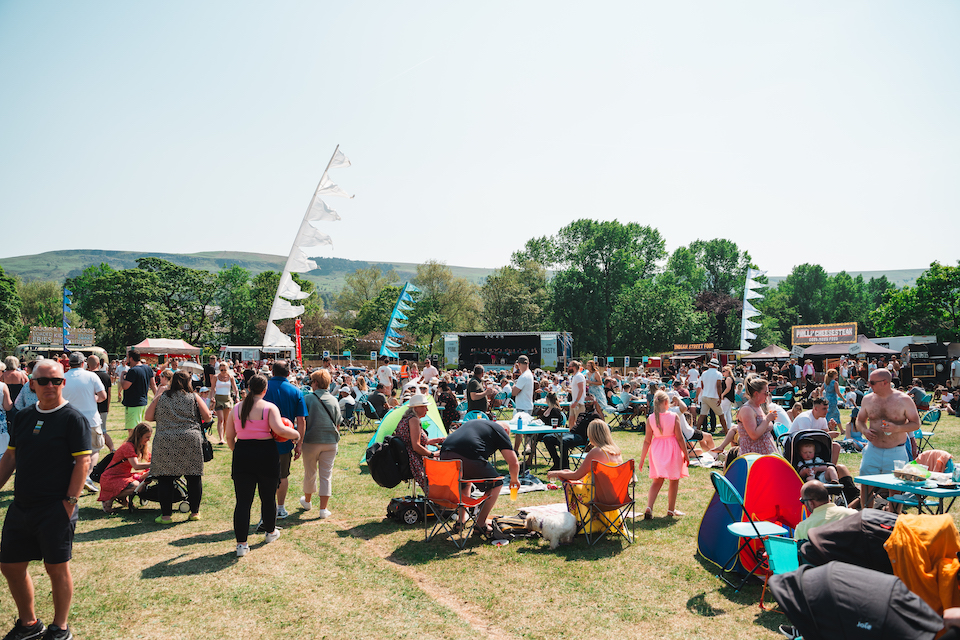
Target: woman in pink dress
column 668, row 454
column 121, row 478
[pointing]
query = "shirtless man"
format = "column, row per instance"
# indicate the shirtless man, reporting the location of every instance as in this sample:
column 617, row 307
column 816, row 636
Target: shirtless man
column 891, row 415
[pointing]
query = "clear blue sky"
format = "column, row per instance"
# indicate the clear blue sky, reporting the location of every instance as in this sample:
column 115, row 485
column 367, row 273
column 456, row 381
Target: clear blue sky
column 820, row 132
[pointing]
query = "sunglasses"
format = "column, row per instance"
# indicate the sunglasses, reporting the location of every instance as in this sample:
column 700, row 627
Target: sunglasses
column 45, row 381
column 805, row 500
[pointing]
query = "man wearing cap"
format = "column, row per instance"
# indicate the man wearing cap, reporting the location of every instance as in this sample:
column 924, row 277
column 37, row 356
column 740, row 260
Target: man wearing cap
column 709, row 397
column 83, row 389
column 808, row 371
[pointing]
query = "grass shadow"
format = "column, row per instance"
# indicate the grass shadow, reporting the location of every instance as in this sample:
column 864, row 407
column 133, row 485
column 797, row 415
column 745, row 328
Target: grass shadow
column 192, row 567
column 370, row 530
column 655, row 523
column 699, row 606
column 417, row 552
column 749, row 593
column 203, row 538
column 125, row 530
column 577, row 550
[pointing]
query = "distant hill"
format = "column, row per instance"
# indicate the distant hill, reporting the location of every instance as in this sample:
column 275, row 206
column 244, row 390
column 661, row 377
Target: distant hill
column 329, row 277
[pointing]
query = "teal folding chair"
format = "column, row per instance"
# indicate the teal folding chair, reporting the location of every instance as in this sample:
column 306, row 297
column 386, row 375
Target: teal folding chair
column 782, row 557
column 475, row 415
column 929, row 419
column 747, row 531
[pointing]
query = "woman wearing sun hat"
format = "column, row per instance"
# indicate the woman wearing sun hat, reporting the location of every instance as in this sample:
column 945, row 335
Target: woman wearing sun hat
column 411, row 431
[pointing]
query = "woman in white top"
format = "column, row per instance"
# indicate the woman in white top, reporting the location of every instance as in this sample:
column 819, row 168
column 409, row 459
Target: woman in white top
column 224, row 388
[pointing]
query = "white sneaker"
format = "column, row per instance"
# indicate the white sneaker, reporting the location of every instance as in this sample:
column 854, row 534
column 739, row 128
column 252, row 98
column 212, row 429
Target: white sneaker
column 242, row 549
column 92, row 488
column 270, row 537
column 323, row 513
column 282, row 512
column 305, row 504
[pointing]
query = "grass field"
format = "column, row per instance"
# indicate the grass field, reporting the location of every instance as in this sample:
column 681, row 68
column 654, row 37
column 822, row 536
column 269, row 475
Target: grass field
column 359, row 575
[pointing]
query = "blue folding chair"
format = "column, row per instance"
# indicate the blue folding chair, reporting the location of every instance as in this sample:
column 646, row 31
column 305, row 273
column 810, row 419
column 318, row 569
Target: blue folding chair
column 475, row 415
column 747, row 531
column 782, row 557
column 929, row 419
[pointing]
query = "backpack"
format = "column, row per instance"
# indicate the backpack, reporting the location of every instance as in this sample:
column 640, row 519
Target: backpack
column 101, row 466
column 388, row 462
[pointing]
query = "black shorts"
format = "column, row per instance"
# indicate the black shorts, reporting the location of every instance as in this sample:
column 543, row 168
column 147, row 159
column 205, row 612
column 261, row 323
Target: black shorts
column 474, row 469
column 43, row 532
column 697, row 435
column 285, row 459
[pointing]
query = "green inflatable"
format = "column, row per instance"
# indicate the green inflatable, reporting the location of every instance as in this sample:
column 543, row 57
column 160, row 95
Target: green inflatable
column 431, row 422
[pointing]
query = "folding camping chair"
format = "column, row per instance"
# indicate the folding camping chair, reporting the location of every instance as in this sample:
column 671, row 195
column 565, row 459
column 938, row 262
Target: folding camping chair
column 475, row 415
column 782, row 557
column 609, row 500
column 929, row 419
column 351, row 420
column 622, row 413
column 749, row 531
column 503, row 403
column 448, row 491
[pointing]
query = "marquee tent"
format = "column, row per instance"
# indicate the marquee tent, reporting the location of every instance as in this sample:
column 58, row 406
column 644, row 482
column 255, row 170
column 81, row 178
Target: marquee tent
column 772, row 352
column 165, row 346
column 867, row 347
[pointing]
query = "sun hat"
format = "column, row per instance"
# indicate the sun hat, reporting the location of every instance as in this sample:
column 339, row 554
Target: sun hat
column 714, row 362
column 418, row 400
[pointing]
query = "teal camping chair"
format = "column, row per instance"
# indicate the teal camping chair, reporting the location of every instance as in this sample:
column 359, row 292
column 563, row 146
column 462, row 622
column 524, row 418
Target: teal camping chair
column 782, row 557
column 929, row 419
column 475, row 415
column 748, row 531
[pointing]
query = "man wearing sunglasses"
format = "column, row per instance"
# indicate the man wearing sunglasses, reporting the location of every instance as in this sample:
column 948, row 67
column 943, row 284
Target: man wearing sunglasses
column 50, row 451
column 886, row 417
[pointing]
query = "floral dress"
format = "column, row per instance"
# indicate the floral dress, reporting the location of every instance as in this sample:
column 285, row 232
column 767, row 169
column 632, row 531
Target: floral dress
column 764, row 446
column 416, row 461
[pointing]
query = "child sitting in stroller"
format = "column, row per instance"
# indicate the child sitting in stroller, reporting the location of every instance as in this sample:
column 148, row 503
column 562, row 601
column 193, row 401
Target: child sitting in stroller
column 812, row 467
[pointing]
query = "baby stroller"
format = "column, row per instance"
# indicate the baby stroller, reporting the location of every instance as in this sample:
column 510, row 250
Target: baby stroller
column 824, row 451
column 150, row 492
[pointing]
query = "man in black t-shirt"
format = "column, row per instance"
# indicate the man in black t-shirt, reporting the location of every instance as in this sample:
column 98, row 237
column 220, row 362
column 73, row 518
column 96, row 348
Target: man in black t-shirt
column 472, row 444
column 477, row 396
column 577, row 437
column 379, row 400
column 135, row 383
column 209, row 371
column 50, row 452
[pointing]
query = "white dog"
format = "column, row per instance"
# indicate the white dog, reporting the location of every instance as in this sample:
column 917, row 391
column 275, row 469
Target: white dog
column 555, row 527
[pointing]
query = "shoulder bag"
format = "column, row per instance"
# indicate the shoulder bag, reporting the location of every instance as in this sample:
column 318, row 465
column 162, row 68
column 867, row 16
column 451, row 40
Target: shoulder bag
column 205, row 445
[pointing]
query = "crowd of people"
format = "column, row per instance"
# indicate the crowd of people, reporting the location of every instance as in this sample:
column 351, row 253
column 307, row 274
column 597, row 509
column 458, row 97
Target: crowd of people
column 272, row 413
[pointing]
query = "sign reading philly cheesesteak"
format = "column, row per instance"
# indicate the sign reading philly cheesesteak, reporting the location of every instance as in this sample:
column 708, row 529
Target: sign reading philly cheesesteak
column 841, row 333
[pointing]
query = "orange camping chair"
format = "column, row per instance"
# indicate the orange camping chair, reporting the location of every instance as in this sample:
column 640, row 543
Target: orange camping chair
column 604, row 506
column 447, row 491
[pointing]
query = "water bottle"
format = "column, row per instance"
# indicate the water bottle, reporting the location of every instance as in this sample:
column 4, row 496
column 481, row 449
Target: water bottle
column 519, row 423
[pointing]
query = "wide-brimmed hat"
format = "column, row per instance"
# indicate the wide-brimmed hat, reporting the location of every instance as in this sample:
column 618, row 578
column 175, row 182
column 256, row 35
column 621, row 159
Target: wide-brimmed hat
column 418, row 400
column 714, row 363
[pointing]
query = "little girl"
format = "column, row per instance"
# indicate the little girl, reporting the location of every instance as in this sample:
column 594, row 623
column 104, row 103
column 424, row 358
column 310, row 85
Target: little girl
column 668, row 454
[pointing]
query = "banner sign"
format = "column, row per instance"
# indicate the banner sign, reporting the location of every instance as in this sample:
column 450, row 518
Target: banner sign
column 854, row 349
column 451, row 351
column 346, row 354
column 698, row 346
column 54, row 335
column 797, row 351
column 840, row 333
column 548, row 351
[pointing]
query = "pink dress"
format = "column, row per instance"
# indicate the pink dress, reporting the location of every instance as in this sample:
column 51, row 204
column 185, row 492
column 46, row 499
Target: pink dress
column 667, row 460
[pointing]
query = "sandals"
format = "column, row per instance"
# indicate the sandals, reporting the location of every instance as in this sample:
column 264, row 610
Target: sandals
column 675, row 514
column 457, row 527
column 648, row 514
column 483, row 530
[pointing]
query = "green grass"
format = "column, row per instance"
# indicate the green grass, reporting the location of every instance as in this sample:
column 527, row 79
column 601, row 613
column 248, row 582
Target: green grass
column 359, row 575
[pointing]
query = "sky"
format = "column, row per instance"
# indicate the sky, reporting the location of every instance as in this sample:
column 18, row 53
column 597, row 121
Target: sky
column 822, row 132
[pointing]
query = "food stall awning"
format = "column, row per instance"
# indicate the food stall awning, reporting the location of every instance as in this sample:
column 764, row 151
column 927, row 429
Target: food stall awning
column 167, row 346
column 867, row 347
column 770, row 352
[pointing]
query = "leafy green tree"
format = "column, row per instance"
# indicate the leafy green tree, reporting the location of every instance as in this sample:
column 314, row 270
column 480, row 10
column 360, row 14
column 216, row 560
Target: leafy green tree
column 363, row 285
column 375, row 313
column 445, row 303
column 595, row 262
column 10, row 307
column 186, row 297
column 804, row 290
column 653, row 314
column 931, row 307
column 42, row 306
column 237, row 322
column 514, row 299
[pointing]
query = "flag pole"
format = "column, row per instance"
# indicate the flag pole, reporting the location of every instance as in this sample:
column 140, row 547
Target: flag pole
column 286, row 266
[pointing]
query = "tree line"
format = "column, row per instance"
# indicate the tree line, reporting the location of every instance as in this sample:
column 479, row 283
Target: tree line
column 612, row 284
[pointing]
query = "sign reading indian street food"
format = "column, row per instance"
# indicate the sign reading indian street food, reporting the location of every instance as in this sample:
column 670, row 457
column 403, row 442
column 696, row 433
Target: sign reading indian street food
column 697, row 346
column 840, row 333
column 54, row 336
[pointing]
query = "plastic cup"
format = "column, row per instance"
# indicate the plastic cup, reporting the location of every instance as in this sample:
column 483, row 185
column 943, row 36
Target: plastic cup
column 513, row 492
column 898, row 464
